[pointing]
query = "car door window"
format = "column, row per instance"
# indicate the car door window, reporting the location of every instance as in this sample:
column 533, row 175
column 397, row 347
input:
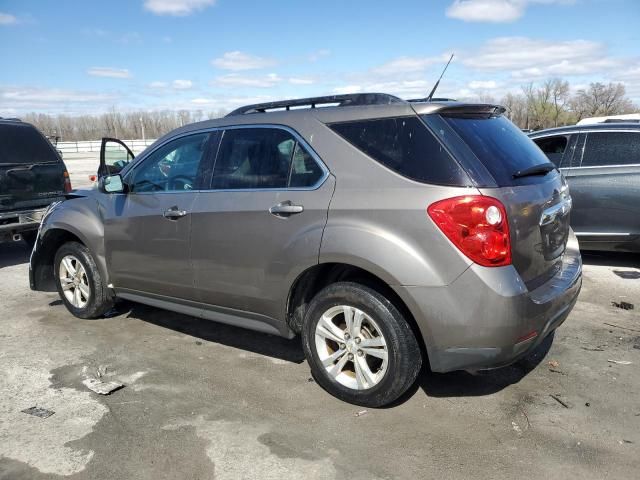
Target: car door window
column 305, row 171
column 251, row 158
column 173, row 167
column 611, row 148
column 553, row 147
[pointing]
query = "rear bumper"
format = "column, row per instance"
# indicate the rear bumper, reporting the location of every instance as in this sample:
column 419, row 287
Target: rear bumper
column 12, row 223
column 487, row 318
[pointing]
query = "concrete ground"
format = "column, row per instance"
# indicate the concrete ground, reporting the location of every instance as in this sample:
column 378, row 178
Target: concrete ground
column 206, row 401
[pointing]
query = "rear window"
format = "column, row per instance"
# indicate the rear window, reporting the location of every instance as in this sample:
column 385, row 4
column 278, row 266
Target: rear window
column 406, row 146
column 23, row 144
column 499, row 145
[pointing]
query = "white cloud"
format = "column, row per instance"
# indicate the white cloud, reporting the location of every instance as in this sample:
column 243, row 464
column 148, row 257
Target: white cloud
column 494, row 11
column 531, row 58
column 483, row 84
column 238, row 61
column 182, row 84
column 7, row 19
column 176, row 7
column 256, row 81
column 347, row 89
column 23, row 99
column 318, row 54
column 109, row 72
column 406, row 65
column 300, row 81
column 158, row 85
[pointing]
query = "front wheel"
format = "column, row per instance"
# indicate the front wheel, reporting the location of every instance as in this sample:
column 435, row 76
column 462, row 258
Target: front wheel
column 359, row 346
column 79, row 282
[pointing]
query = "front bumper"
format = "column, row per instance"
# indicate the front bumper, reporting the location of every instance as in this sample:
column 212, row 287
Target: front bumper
column 487, row 318
column 12, row 223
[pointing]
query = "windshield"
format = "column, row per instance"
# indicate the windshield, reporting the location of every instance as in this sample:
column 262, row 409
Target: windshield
column 22, row 144
column 502, row 148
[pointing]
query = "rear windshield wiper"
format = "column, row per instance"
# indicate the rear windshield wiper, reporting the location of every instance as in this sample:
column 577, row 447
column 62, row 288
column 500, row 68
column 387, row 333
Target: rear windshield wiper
column 541, row 169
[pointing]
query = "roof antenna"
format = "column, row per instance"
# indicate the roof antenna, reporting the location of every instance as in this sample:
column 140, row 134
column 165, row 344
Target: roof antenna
column 435, row 87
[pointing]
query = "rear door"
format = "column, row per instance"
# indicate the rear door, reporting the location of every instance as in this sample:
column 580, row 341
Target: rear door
column 260, row 223
column 523, row 179
column 605, row 185
column 147, row 228
column 32, row 175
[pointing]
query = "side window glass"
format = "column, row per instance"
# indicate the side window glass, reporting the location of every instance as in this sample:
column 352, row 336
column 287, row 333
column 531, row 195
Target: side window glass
column 173, row 167
column 305, row 171
column 553, row 147
column 611, row 148
column 253, row 158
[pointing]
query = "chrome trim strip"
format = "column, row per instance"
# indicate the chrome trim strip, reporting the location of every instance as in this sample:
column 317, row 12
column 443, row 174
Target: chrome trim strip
column 601, row 166
column 602, row 234
column 559, row 209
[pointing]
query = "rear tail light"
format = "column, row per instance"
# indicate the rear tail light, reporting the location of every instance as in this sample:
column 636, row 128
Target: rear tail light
column 67, row 182
column 477, row 225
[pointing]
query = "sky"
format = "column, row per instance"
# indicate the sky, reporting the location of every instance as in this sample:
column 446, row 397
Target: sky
column 88, row 56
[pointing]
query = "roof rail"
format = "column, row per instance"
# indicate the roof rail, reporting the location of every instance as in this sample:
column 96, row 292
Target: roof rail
column 437, row 99
column 11, row 119
column 342, row 101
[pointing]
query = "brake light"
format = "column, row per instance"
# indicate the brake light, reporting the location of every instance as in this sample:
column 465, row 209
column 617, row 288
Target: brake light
column 477, row 225
column 67, row 182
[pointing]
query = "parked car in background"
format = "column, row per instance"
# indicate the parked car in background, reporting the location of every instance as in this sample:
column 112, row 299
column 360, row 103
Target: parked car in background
column 601, row 163
column 32, row 175
column 386, row 233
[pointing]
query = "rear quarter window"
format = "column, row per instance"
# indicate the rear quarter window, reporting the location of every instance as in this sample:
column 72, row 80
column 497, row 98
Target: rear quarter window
column 501, row 146
column 406, row 146
column 23, row 144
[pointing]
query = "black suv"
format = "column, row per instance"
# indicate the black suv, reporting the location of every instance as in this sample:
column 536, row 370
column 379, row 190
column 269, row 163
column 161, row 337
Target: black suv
column 32, row 176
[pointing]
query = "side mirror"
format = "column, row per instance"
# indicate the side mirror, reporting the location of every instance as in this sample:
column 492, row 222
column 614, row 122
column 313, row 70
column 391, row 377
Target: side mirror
column 112, row 184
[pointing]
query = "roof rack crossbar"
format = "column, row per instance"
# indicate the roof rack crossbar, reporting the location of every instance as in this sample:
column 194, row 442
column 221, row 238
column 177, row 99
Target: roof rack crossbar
column 342, row 101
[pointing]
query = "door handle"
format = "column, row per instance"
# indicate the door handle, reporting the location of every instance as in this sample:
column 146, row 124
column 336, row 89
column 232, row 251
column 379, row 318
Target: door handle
column 285, row 209
column 174, row 213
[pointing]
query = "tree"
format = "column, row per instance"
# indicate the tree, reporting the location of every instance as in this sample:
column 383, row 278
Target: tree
column 601, row 100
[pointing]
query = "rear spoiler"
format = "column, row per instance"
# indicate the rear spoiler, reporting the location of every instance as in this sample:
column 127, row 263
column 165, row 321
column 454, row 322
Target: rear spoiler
column 459, row 109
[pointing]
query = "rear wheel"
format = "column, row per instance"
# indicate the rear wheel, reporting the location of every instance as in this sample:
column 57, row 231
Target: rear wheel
column 359, row 347
column 79, row 282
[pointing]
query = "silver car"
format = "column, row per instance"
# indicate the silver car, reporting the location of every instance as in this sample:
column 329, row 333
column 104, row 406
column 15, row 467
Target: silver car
column 388, row 234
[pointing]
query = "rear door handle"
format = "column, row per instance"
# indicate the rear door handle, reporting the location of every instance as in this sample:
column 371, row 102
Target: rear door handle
column 285, row 209
column 174, row 213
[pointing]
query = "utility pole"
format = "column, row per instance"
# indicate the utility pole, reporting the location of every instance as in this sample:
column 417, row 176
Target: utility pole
column 142, row 125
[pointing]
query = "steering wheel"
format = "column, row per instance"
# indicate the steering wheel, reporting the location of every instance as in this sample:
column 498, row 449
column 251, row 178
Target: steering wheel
column 181, row 182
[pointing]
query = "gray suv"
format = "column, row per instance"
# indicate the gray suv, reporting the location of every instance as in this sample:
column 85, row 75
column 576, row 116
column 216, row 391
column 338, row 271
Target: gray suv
column 601, row 162
column 388, row 234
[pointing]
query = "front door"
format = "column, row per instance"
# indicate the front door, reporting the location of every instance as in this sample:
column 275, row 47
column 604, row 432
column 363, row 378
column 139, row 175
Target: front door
column 261, row 222
column 147, row 228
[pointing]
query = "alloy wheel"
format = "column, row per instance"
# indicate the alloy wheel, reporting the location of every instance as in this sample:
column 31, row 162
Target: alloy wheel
column 74, row 281
column 351, row 347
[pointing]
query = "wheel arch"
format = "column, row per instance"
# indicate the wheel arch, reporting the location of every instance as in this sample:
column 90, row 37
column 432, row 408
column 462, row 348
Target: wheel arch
column 42, row 258
column 315, row 278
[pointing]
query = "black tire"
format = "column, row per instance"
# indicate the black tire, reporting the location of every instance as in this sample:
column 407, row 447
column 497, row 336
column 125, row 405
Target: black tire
column 404, row 356
column 100, row 299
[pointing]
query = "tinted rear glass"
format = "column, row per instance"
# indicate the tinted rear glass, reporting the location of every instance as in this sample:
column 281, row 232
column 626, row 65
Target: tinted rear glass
column 23, row 144
column 406, row 146
column 499, row 145
column 611, row 148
